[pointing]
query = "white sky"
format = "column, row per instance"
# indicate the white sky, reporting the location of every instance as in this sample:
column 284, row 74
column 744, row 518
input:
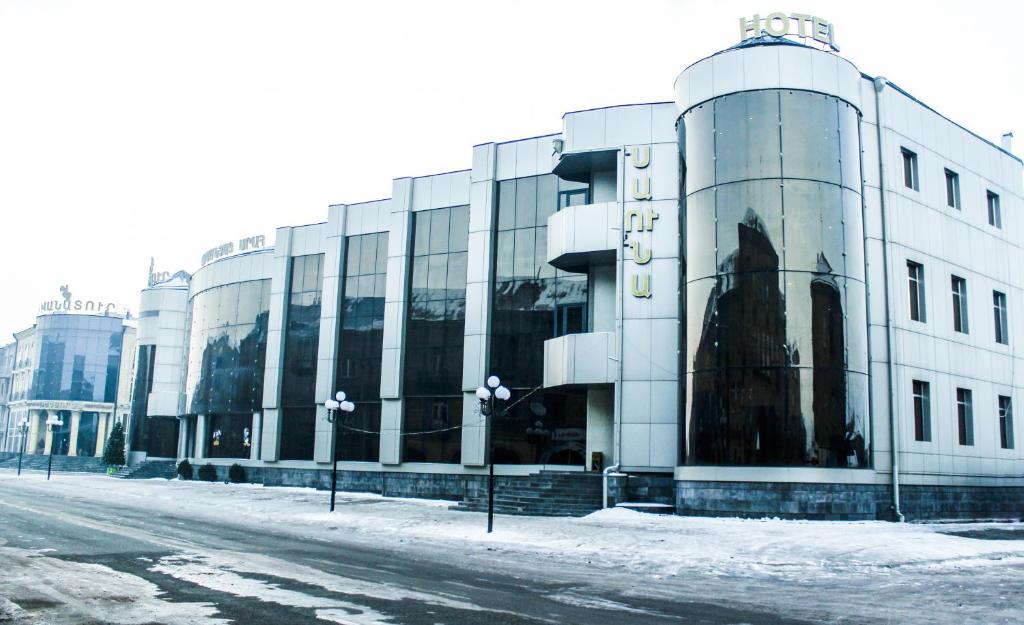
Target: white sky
column 131, row 129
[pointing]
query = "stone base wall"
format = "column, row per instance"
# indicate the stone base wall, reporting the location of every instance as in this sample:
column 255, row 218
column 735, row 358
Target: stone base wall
column 847, row 502
column 642, row 487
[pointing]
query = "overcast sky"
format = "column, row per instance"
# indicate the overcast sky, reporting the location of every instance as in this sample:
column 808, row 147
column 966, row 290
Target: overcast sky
column 134, row 129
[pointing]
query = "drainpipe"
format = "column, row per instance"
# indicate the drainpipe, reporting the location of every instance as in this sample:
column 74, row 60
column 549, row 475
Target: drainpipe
column 880, row 83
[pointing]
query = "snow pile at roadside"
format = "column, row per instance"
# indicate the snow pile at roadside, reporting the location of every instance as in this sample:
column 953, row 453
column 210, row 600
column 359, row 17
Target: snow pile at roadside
column 652, row 544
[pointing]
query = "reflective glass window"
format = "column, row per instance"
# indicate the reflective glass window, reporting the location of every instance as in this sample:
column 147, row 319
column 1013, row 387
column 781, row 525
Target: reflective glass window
column 995, row 216
column 964, row 416
column 952, row 189
column 1001, row 317
column 922, row 411
column 434, row 335
column 360, row 343
column 959, row 290
column 78, row 358
column 1005, row 422
column 915, row 282
column 301, row 342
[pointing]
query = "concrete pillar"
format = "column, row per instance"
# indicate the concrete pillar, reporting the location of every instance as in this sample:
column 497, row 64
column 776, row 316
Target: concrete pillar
column 330, row 326
column 33, row 432
column 182, row 437
column 201, row 425
column 48, row 441
column 276, row 324
column 476, row 352
column 102, row 427
column 76, row 420
column 254, row 436
column 395, row 312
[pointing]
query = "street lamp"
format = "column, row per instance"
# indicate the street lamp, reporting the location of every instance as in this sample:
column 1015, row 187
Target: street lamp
column 487, row 398
column 333, row 405
column 52, row 422
column 23, row 431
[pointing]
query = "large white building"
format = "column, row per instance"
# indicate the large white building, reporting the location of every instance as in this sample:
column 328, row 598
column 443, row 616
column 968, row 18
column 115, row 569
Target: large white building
column 789, row 292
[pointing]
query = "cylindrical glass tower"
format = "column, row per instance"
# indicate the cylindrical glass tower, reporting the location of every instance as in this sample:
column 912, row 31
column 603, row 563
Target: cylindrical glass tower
column 776, row 331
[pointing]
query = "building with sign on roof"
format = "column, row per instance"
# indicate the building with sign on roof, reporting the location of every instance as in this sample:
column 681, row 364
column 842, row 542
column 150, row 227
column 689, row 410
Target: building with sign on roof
column 789, row 292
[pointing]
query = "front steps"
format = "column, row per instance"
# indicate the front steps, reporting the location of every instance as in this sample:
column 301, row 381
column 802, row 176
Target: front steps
column 548, row 493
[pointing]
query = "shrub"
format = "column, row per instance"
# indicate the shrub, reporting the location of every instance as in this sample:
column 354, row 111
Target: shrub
column 185, row 469
column 236, row 473
column 113, row 451
column 207, row 473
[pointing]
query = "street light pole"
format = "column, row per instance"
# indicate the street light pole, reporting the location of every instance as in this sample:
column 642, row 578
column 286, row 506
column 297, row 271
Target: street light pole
column 52, row 421
column 333, row 406
column 23, row 430
column 487, row 398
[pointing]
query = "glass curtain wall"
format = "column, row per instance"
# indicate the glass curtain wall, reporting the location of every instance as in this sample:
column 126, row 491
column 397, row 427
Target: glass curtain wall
column 301, row 341
column 361, row 342
column 79, row 357
column 532, row 303
column 775, row 347
column 226, row 361
column 432, row 385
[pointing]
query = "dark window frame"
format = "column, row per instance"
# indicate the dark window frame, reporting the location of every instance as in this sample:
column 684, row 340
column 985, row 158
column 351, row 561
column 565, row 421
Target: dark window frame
column 952, row 188
column 965, row 416
column 995, row 214
column 1000, row 311
column 921, row 393
column 1005, row 407
column 958, row 288
column 910, row 176
column 916, row 283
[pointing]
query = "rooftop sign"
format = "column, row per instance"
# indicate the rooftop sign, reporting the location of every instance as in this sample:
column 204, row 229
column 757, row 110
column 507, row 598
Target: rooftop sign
column 780, row 24
column 68, row 304
column 245, row 244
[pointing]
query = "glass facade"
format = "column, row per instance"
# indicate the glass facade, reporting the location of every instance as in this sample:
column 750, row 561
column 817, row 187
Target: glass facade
column 226, row 360
column 79, row 357
column 776, row 320
column 157, row 436
column 534, row 302
column 301, row 341
column 360, row 344
column 432, row 376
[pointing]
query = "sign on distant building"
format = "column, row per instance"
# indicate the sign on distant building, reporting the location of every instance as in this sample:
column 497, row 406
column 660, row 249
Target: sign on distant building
column 67, row 304
column 779, row 24
column 245, row 244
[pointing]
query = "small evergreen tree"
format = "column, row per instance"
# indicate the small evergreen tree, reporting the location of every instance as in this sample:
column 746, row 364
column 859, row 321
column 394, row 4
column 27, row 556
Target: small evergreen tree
column 236, row 473
column 185, row 469
column 113, row 451
column 208, row 473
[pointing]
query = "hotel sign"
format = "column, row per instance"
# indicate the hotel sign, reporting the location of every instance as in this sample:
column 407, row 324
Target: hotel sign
column 780, row 24
column 642, row 217
column 245, row 244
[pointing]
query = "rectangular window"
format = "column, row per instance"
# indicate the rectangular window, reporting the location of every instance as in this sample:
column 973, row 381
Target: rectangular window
column 964, row 416
column 999, row 311
column 909, row 169
column 915, row 276
column 570, row 319
column 572, row 197
column 959, row 288
column 953, row 189
column 922, row 412
column 1005, row 422
column 995, row 217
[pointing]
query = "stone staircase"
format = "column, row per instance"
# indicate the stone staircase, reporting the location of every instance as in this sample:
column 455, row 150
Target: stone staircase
column 149, row 469
column 61, row 464
column 548, row 493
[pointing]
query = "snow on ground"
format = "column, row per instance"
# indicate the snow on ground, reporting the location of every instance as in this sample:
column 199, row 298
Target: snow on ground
column 652, row 544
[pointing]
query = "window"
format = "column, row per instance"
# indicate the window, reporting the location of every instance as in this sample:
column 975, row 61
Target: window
column 999, row 311
column 959, row 288
column 572, row 197
column 995, row 217
column 953, row 189
column 570, row 319
column 964, row 416
column 922, row 411
column 915, row 276
column 909, row 169
column 1005, row 422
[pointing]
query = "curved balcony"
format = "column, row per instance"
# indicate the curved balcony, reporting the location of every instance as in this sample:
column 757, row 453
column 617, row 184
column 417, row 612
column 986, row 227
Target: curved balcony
column 579, row 236
column 580, row 359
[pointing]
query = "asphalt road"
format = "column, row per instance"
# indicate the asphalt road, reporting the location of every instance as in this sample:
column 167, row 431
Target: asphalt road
column 76, row 561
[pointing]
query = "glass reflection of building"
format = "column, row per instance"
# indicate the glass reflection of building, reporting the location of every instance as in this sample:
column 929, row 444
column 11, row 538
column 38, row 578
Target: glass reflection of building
column 78, row 358
column 532, row 303
column 301, row 341
column 776, row 323
column 360, row 344
column 435, row 328
column 227, row 355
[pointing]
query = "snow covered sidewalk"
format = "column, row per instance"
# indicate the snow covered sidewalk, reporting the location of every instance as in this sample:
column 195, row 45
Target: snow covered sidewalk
column 653, row 545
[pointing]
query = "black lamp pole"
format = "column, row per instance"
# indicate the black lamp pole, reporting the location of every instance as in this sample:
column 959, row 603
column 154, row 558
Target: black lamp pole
column 490, row 461
column 49, row 463
column 332, row 417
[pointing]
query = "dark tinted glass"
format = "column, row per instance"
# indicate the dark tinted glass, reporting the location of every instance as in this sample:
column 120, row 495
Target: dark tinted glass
column 434, row 335
column 301, row 341
column 532, row 303
column 360, row 346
